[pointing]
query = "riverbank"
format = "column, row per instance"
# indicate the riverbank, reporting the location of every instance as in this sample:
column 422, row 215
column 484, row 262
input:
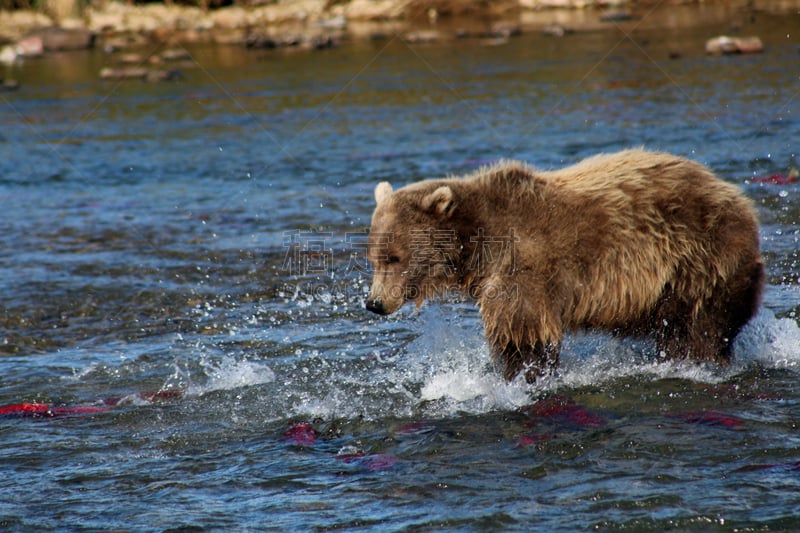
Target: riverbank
column 323, row 23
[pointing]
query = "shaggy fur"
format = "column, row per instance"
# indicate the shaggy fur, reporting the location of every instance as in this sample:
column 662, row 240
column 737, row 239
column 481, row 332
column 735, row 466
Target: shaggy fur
column 636, row 243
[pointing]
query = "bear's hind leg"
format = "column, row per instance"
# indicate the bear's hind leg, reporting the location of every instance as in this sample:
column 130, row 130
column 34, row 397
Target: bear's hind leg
column 701, row 337
column 724, row 315
column 708, row 334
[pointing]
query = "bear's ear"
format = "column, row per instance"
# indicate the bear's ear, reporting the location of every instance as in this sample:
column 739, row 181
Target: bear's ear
column 441, row 202
column 382, row 191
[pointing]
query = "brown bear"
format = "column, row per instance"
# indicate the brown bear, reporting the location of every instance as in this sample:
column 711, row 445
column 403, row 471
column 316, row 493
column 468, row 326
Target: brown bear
column 635, row 243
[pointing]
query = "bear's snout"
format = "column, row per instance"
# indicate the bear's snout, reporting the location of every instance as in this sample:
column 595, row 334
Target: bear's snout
column 376, row 306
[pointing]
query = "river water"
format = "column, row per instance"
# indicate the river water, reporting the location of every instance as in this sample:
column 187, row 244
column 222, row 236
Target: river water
column 183, row 278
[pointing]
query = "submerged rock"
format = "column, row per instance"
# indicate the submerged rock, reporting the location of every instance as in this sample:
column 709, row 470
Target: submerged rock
column 621, row 15
column 750, row 45
column 260, row 41
column 131, row 59
column 422, row 36
column 315, row 42
column 175, row 54
column 32, row 46
column 138, row 73
column 155, row 75
column 734, row 45
column 8, row 85
column 58, row 39
column 132, row 73
column 27, row 47
column 504, row 29
column 557, row 30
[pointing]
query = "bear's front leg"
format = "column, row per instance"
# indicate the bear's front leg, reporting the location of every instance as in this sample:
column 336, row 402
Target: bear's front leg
column 537, row 360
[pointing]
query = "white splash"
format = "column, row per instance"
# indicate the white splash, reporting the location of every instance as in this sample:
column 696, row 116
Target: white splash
column 458, row 373
column 229, row 373
column 461, row 379
column 473, row 391
column 773, row 342
column 447, row 370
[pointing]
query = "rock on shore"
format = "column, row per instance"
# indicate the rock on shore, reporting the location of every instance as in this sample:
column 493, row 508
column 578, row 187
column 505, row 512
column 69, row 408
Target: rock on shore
column 309, row 23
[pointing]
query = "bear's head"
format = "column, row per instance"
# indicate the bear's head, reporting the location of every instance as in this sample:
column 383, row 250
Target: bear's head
column 413, row 245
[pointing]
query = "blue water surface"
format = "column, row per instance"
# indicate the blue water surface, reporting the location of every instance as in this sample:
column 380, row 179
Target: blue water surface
column 183, row 284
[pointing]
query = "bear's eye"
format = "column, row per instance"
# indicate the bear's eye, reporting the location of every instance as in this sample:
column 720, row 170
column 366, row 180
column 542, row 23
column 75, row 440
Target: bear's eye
column 393, row 259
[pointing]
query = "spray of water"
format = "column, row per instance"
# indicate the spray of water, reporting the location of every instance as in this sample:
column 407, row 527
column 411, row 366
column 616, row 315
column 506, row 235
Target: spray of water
column 447, row 370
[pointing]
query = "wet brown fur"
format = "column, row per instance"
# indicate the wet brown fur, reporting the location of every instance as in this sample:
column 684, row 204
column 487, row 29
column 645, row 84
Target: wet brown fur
column 636, row 243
